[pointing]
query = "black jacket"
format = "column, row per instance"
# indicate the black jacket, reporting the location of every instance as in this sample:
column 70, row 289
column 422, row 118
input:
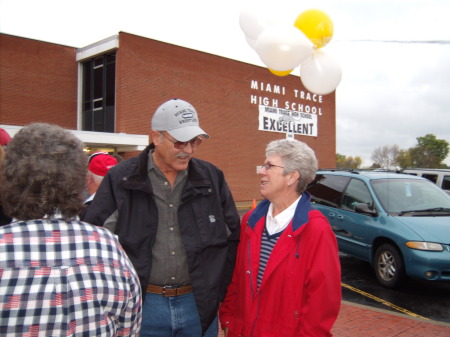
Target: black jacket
column 206, row 211
column 4, row 219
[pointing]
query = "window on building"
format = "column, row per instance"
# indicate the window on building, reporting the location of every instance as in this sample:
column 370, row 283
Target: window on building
column 99, row 93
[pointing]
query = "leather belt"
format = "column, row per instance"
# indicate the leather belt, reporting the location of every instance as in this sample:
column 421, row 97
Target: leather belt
column 169, row 291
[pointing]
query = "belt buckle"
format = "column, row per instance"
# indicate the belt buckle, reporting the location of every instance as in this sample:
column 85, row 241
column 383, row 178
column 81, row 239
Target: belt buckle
column 165, row 293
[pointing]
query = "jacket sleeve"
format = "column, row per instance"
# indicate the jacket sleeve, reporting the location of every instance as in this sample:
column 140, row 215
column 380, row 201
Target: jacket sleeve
column 104, row 203
column 228, row 308
column 322, row 292
column 232, row 220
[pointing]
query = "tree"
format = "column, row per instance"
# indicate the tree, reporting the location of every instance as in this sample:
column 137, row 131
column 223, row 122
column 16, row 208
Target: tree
column 429, row 152
column 404, row 159
column 386, row 156
column 343, row 162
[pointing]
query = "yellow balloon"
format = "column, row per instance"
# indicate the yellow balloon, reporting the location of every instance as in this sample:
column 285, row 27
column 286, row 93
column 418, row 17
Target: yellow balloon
column 316, row 25
column 280, row 73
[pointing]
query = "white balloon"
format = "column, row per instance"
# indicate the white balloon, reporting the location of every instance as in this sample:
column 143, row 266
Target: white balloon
column 252, row 24
column 320, row 73
column 283, row 47
column 251, row 42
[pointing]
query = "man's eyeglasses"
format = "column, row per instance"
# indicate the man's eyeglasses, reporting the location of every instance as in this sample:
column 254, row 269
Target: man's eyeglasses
column 268, row 166
column 181, row 145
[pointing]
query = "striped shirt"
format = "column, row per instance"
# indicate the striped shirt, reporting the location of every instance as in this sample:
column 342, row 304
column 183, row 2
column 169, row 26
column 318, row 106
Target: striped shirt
column 267, row 243
column 66, row 278
column 275, row 225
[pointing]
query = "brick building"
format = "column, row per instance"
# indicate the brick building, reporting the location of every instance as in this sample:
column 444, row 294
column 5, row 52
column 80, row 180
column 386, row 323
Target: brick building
column 107, row 93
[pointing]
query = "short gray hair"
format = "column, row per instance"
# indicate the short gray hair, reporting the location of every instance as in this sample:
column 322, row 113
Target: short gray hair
column 296, row 156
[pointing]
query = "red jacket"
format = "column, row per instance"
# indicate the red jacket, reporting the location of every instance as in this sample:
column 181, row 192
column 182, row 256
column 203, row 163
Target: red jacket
column 300, row 292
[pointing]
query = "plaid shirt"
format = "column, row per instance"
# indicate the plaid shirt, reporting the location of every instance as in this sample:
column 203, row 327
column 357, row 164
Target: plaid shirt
column 66, row 278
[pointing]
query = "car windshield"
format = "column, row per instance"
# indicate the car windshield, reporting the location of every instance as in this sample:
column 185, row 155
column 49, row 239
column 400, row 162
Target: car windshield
column 407, row 196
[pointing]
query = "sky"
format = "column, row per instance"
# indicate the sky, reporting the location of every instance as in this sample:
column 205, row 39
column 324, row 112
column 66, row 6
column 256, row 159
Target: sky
column 394, row 54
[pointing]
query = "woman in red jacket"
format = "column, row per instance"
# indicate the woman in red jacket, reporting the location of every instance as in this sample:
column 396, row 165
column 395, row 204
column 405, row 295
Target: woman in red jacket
column 287, row 276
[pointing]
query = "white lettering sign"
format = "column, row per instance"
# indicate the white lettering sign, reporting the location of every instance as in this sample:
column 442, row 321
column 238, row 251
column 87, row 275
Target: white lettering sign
column 275, row 119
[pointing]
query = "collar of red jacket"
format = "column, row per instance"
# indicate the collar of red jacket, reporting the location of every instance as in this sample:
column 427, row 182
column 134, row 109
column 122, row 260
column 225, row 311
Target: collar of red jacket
column 301, row 214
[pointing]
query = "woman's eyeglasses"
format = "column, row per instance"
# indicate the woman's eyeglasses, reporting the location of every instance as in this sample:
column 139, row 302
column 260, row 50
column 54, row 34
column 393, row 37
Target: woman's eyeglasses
column 181, row 145
column 268, row 166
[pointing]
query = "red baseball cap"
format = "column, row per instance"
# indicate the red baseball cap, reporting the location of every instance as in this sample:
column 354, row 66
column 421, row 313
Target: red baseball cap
column 4, row 137
column 100, row 163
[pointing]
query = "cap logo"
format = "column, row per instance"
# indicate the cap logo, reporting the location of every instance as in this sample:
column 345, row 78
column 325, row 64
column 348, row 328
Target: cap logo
column 179, row 118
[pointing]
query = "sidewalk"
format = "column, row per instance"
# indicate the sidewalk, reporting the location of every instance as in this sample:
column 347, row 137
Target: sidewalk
column 356, row 320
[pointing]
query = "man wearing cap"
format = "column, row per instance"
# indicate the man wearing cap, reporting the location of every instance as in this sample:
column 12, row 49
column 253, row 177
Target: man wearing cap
column 177, row 221
column 4, row 137
column 98, row 166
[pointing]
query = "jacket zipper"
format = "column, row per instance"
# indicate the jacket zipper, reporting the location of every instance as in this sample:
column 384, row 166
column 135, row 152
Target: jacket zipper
column 252, row 289
column 249, row 271
column 256, row 317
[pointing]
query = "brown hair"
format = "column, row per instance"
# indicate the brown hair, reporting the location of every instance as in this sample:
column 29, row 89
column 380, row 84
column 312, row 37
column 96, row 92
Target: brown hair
column 44, row 171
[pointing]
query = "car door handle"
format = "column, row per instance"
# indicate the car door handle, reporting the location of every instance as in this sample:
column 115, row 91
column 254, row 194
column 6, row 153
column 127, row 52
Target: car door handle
column 335, row 216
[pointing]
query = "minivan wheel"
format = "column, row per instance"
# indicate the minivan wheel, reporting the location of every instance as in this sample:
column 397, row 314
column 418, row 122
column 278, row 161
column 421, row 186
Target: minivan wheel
column 389, row 267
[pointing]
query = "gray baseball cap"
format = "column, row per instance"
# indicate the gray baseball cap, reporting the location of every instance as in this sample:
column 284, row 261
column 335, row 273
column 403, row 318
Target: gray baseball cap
column 179, row 118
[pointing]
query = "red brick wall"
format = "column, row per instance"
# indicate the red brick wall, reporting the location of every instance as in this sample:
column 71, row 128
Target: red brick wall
column 150, row 72
column 38, row 82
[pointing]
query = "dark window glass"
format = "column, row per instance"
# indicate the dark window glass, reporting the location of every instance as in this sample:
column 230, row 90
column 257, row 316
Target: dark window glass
column 356, row 192
column 110, row 84
column 98, row 104
column 111, row 58
column 88, row 121
column 446, row 183
column 98, row 120
column 430, row 177
column 87, row 84
column 327, row 189
column 99, row 76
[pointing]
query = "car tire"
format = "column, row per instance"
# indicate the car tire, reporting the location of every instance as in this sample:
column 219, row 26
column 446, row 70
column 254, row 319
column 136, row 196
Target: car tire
column 389, row 266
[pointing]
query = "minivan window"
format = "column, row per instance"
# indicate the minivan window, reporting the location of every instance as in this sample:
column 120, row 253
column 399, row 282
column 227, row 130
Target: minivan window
column 431, row 177
column 399, row 195
column 446, row 183
column 356, row 192
column 327, row 189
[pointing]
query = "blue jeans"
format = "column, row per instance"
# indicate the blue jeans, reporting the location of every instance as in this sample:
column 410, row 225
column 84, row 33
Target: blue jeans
column 175, row 316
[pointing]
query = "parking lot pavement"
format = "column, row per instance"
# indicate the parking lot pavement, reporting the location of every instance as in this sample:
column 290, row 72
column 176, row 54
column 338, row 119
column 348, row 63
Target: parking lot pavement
column 357, row 320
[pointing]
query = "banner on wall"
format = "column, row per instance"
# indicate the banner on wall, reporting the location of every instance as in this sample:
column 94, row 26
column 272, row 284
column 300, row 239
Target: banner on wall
column 287, row 121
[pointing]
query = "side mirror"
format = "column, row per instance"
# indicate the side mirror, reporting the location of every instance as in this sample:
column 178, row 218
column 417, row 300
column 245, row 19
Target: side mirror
column 363, row 208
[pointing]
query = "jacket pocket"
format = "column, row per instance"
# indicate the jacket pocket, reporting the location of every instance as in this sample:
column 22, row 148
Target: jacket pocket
column 209, row 221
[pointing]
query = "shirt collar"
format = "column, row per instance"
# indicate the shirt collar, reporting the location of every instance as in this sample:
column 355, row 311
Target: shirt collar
column 91, row 197
column 55, row 216
column 281, row 221
column 151, row 166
